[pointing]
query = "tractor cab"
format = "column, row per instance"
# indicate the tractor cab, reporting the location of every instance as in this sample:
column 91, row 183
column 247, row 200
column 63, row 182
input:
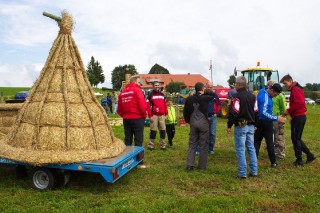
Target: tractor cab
column 258, row 77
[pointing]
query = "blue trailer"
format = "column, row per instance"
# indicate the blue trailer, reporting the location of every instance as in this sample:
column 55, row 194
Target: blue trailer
column 50, row 176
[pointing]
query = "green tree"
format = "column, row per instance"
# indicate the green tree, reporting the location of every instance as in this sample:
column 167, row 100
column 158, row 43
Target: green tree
column 174, row 87
column 232, row 79
column 157, row 69
column 308, row 86
column 117, row 75
column 95, row 72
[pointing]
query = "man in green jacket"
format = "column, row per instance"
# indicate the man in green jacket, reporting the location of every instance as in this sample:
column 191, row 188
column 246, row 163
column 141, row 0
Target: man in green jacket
column 279, row 106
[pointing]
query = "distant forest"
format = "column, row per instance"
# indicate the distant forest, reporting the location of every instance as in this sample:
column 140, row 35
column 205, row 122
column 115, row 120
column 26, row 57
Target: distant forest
column 312, row 87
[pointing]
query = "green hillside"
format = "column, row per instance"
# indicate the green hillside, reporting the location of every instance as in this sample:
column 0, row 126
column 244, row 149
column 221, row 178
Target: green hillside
column 9, row 92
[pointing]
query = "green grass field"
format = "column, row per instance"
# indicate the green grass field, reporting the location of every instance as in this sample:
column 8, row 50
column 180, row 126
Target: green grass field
column 165, row 186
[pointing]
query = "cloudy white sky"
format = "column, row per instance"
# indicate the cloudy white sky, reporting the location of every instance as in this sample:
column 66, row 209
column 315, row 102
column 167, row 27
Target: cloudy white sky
column 180, row 35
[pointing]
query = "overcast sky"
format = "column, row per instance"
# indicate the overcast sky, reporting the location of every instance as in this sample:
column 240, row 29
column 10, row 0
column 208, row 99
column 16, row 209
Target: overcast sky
column 180, row 35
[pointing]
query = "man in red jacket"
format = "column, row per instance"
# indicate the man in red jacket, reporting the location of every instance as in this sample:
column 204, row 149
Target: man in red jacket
column 132, row 108
column 297, row 112
column 157, row 109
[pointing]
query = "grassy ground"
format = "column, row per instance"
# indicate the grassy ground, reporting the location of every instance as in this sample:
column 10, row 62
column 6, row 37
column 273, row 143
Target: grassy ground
column 166, row 187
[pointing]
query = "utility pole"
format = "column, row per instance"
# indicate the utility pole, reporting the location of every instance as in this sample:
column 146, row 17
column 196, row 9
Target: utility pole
column 211, row 69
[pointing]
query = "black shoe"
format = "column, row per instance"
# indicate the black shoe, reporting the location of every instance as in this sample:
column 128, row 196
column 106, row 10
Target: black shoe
column 252, row 175
column 242, row 177
column 189, row 168
column 298, row 163
column 310, row 159
column 274, row 165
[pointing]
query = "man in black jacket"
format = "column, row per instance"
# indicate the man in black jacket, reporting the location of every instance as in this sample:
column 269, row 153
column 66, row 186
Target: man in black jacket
column 195, row 113
column 242, row 115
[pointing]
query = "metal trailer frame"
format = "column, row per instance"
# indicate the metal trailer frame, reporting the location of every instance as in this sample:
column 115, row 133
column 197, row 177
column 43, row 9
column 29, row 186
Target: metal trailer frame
column 50, row 176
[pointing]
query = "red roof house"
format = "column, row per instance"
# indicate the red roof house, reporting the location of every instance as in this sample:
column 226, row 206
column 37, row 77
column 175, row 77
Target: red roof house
column 189, row 80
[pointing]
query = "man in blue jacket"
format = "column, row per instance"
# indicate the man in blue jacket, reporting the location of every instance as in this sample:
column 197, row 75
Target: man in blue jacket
column 213, row 110
column 265, row 120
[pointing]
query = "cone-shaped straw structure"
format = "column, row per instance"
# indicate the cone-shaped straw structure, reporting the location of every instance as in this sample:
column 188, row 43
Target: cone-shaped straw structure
column 61, row 121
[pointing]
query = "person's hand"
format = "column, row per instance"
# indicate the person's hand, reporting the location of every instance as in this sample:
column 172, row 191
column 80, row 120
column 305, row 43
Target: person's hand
column 167, row 117
column 215, row 115
column 281, row 119
column 151, row 119
column 228, row 131
column 284, row 113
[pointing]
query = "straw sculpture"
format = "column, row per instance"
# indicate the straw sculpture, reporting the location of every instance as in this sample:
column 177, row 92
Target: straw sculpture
column 61, row 121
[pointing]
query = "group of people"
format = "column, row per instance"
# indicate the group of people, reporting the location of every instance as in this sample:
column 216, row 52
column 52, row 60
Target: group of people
column 261, row 117
column 253, row 118
column 134, row 109
column 107, row 103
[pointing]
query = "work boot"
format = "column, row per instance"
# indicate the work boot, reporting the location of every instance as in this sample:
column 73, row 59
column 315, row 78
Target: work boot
column 163, row 144
column 151, row 144
column 310, row 158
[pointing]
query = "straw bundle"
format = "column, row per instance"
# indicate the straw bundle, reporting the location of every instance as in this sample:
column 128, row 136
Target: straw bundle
column 61, row 120
column 8, row 114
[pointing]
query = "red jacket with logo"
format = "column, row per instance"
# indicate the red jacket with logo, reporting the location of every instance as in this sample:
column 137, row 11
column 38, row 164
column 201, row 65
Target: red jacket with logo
column 156, row 104
column 297, row 105
column 131, row 102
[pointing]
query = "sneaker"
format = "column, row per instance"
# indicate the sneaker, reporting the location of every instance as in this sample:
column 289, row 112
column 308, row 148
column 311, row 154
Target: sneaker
column 211, row 152
column 298, row 163
column 280, row 157
column 150, row 148
column 274, row 165
column 141, row 166
column 310, row 159
column 197, row 153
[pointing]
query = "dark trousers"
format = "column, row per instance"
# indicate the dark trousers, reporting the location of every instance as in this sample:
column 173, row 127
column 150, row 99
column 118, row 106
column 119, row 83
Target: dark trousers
column 297, row 126
column 170, row 128
column 133, row 127
column 265, row 130
column 199, row 136
column 110, row 107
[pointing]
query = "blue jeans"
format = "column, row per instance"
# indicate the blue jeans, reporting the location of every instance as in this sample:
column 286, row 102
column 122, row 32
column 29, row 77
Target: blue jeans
column 244, row 138
column 212, row 132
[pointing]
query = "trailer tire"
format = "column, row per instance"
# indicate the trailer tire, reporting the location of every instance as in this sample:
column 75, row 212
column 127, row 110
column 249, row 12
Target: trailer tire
column 43, row 179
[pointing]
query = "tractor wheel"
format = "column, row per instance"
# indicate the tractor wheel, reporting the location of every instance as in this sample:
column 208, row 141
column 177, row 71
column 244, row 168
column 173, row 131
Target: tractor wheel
column 224, row 110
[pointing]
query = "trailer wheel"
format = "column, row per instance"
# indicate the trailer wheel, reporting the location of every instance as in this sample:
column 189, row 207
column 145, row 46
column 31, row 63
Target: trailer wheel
column 42, row 179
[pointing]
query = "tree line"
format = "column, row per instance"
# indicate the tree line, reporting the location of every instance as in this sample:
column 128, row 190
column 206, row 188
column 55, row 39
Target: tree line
column 95, row 73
